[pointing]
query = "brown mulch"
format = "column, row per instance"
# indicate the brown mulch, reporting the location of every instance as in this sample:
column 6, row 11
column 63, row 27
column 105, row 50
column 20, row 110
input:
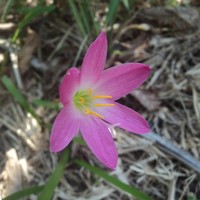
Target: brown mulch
column 165, row 38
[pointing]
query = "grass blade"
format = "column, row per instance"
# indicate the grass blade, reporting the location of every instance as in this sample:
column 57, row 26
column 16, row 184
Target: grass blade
column 113, row 6
column 114, row 181
column 79, row 51
column 31, row 14
column 77, row 16
column 126, row 4
column 91, row 14
column 24, row 193
column 79, row 140
column 85, row 18
column 46, row 103
column 16, row 93
column 6, row 9
column 49, row 188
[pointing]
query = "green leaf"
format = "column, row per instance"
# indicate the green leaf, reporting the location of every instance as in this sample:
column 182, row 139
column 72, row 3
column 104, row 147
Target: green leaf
column 49, row 188
column 77, row 16
column 37, row 10
column 192, row 197
column 6, row 9
column 114, row 181
column 45, row 103
column 113, row 6
column 31, row 14
column 91, row 14
column 79, row 51
column 85, row 17
column 24, row 193
column 79, row 141
column 126, row 4
column 16, row 93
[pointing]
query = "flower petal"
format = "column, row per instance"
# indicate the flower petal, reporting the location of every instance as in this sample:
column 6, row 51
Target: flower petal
column 94, row 60
column 100, row 141
column 65, row 127
column 125, row 118
column 122, row 79
column 69, row 85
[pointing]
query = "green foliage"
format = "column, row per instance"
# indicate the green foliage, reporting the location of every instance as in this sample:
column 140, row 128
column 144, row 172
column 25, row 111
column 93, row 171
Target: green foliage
column 6, row 9
column 172, row 3
column 45, row 103
column 113, row 6
column 46, row 192
column 24, row 193
column 192, row 197
column 77, row 16
column 79, row 141
column 18, row 96
column 30, row 15
column 16, row 93
column 84, row 17
column 114, row 181
column 126, row 4
column 49, row 188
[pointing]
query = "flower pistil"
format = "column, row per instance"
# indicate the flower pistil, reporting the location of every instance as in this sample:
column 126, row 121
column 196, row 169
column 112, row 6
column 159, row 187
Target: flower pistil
column 84, row 101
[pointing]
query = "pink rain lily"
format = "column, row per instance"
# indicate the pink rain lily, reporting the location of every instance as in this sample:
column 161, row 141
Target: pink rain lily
column 88, row 96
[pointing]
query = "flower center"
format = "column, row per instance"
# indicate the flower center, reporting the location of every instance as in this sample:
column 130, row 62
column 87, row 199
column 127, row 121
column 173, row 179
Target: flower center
column 84, row 101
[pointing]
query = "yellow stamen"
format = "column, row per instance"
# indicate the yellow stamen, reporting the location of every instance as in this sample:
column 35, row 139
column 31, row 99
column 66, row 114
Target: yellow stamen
column 82, row 100
column 90, row 91
column 101, row 97
column 102, row 104
column 87, row 111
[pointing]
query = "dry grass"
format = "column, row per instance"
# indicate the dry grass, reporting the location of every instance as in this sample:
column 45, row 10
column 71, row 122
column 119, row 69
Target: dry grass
column 173, row 89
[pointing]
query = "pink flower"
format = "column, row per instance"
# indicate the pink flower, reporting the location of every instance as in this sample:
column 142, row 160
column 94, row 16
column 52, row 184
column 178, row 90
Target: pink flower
column 89, row 95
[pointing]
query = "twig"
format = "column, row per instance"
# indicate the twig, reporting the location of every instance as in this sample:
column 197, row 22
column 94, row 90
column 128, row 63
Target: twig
column 187, row 185
column 14, row 60
column 174, row 151
column 172, row 189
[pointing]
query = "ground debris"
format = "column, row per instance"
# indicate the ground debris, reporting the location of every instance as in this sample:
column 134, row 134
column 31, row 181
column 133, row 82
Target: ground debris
column 177, row 20
column 168, row 40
